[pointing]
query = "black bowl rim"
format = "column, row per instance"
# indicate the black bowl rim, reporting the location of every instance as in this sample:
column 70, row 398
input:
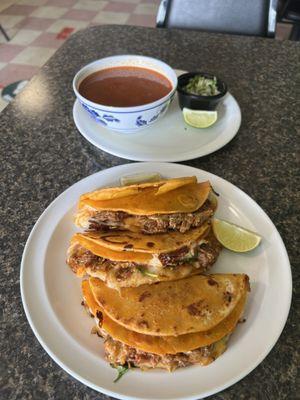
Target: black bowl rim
column 198, row 96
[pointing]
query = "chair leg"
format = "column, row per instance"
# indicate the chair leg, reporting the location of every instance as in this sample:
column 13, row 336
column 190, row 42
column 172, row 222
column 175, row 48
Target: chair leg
column 4, row 33
column 295, row 33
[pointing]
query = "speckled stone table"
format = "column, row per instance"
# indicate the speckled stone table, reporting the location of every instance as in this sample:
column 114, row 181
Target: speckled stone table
column 42, row 154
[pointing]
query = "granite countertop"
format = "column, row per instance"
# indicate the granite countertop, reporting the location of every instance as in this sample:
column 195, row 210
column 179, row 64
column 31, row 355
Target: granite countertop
column 42, row 154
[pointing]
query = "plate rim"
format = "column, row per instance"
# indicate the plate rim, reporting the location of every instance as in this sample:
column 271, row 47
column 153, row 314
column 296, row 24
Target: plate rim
column 100, row 389
column 177, row 158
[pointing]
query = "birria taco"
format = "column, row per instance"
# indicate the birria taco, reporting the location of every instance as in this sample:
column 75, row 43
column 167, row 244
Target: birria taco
column 177, row 204
column 129, row 259
column 167, row 325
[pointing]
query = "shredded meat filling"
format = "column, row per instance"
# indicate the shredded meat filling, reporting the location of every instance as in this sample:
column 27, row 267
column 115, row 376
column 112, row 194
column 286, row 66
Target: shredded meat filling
column 150, row 224
column 202, row 257
column 103, row 220
column 174, row 257
column 118, row 353
column 80, row 257
column 208, row 252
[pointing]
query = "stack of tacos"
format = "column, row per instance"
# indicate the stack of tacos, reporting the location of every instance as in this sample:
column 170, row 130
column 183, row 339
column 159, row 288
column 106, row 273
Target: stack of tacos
column 144, row 249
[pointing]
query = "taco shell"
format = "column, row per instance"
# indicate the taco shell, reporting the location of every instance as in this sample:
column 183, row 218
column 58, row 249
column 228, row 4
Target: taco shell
column 148, row 200
column 163, row 344
column 194, row 304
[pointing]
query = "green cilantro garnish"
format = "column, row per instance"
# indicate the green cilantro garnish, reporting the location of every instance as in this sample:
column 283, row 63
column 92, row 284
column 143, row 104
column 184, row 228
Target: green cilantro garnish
column 121, row 369
column 146, row 273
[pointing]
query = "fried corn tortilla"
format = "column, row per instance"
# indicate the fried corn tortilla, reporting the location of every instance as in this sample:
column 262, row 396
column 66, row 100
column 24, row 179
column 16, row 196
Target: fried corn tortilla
column 117, row 277
column 152, row 199
column 85, row 240
column 194, row 304
column 122, row 241
column 136, row 247
column 162, row 344
column 162, row 186
column 178, row 264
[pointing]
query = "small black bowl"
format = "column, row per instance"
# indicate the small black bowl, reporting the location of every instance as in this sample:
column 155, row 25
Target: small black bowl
column 197, row 102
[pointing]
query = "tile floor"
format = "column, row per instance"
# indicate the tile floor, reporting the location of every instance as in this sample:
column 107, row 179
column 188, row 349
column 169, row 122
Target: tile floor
column 37, row 28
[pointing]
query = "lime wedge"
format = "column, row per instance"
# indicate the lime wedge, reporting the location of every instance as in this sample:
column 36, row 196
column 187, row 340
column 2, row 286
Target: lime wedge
column 140, row 178
column 199, row 118
column 234, row 237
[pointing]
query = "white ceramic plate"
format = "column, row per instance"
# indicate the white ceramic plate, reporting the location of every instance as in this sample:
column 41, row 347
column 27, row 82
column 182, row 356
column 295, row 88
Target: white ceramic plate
column 51, row 296
column 169, row 139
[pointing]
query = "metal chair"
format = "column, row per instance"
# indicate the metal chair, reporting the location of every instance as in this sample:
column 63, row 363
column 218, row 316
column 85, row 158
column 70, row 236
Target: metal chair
column 290, row 14
column 3, row 31
column 243, row 17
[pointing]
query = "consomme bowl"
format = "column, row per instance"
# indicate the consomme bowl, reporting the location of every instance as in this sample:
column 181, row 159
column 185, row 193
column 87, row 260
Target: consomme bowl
column 126, row 119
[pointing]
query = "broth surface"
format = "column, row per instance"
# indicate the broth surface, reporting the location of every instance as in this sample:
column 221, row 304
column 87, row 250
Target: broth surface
column 125, row 86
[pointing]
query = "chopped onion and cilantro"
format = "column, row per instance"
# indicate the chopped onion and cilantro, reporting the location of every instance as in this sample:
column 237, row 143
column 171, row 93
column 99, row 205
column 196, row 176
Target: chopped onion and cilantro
column 201, row 86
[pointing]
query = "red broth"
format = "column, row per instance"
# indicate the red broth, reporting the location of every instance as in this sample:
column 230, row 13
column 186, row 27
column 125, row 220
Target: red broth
column 125, row 86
